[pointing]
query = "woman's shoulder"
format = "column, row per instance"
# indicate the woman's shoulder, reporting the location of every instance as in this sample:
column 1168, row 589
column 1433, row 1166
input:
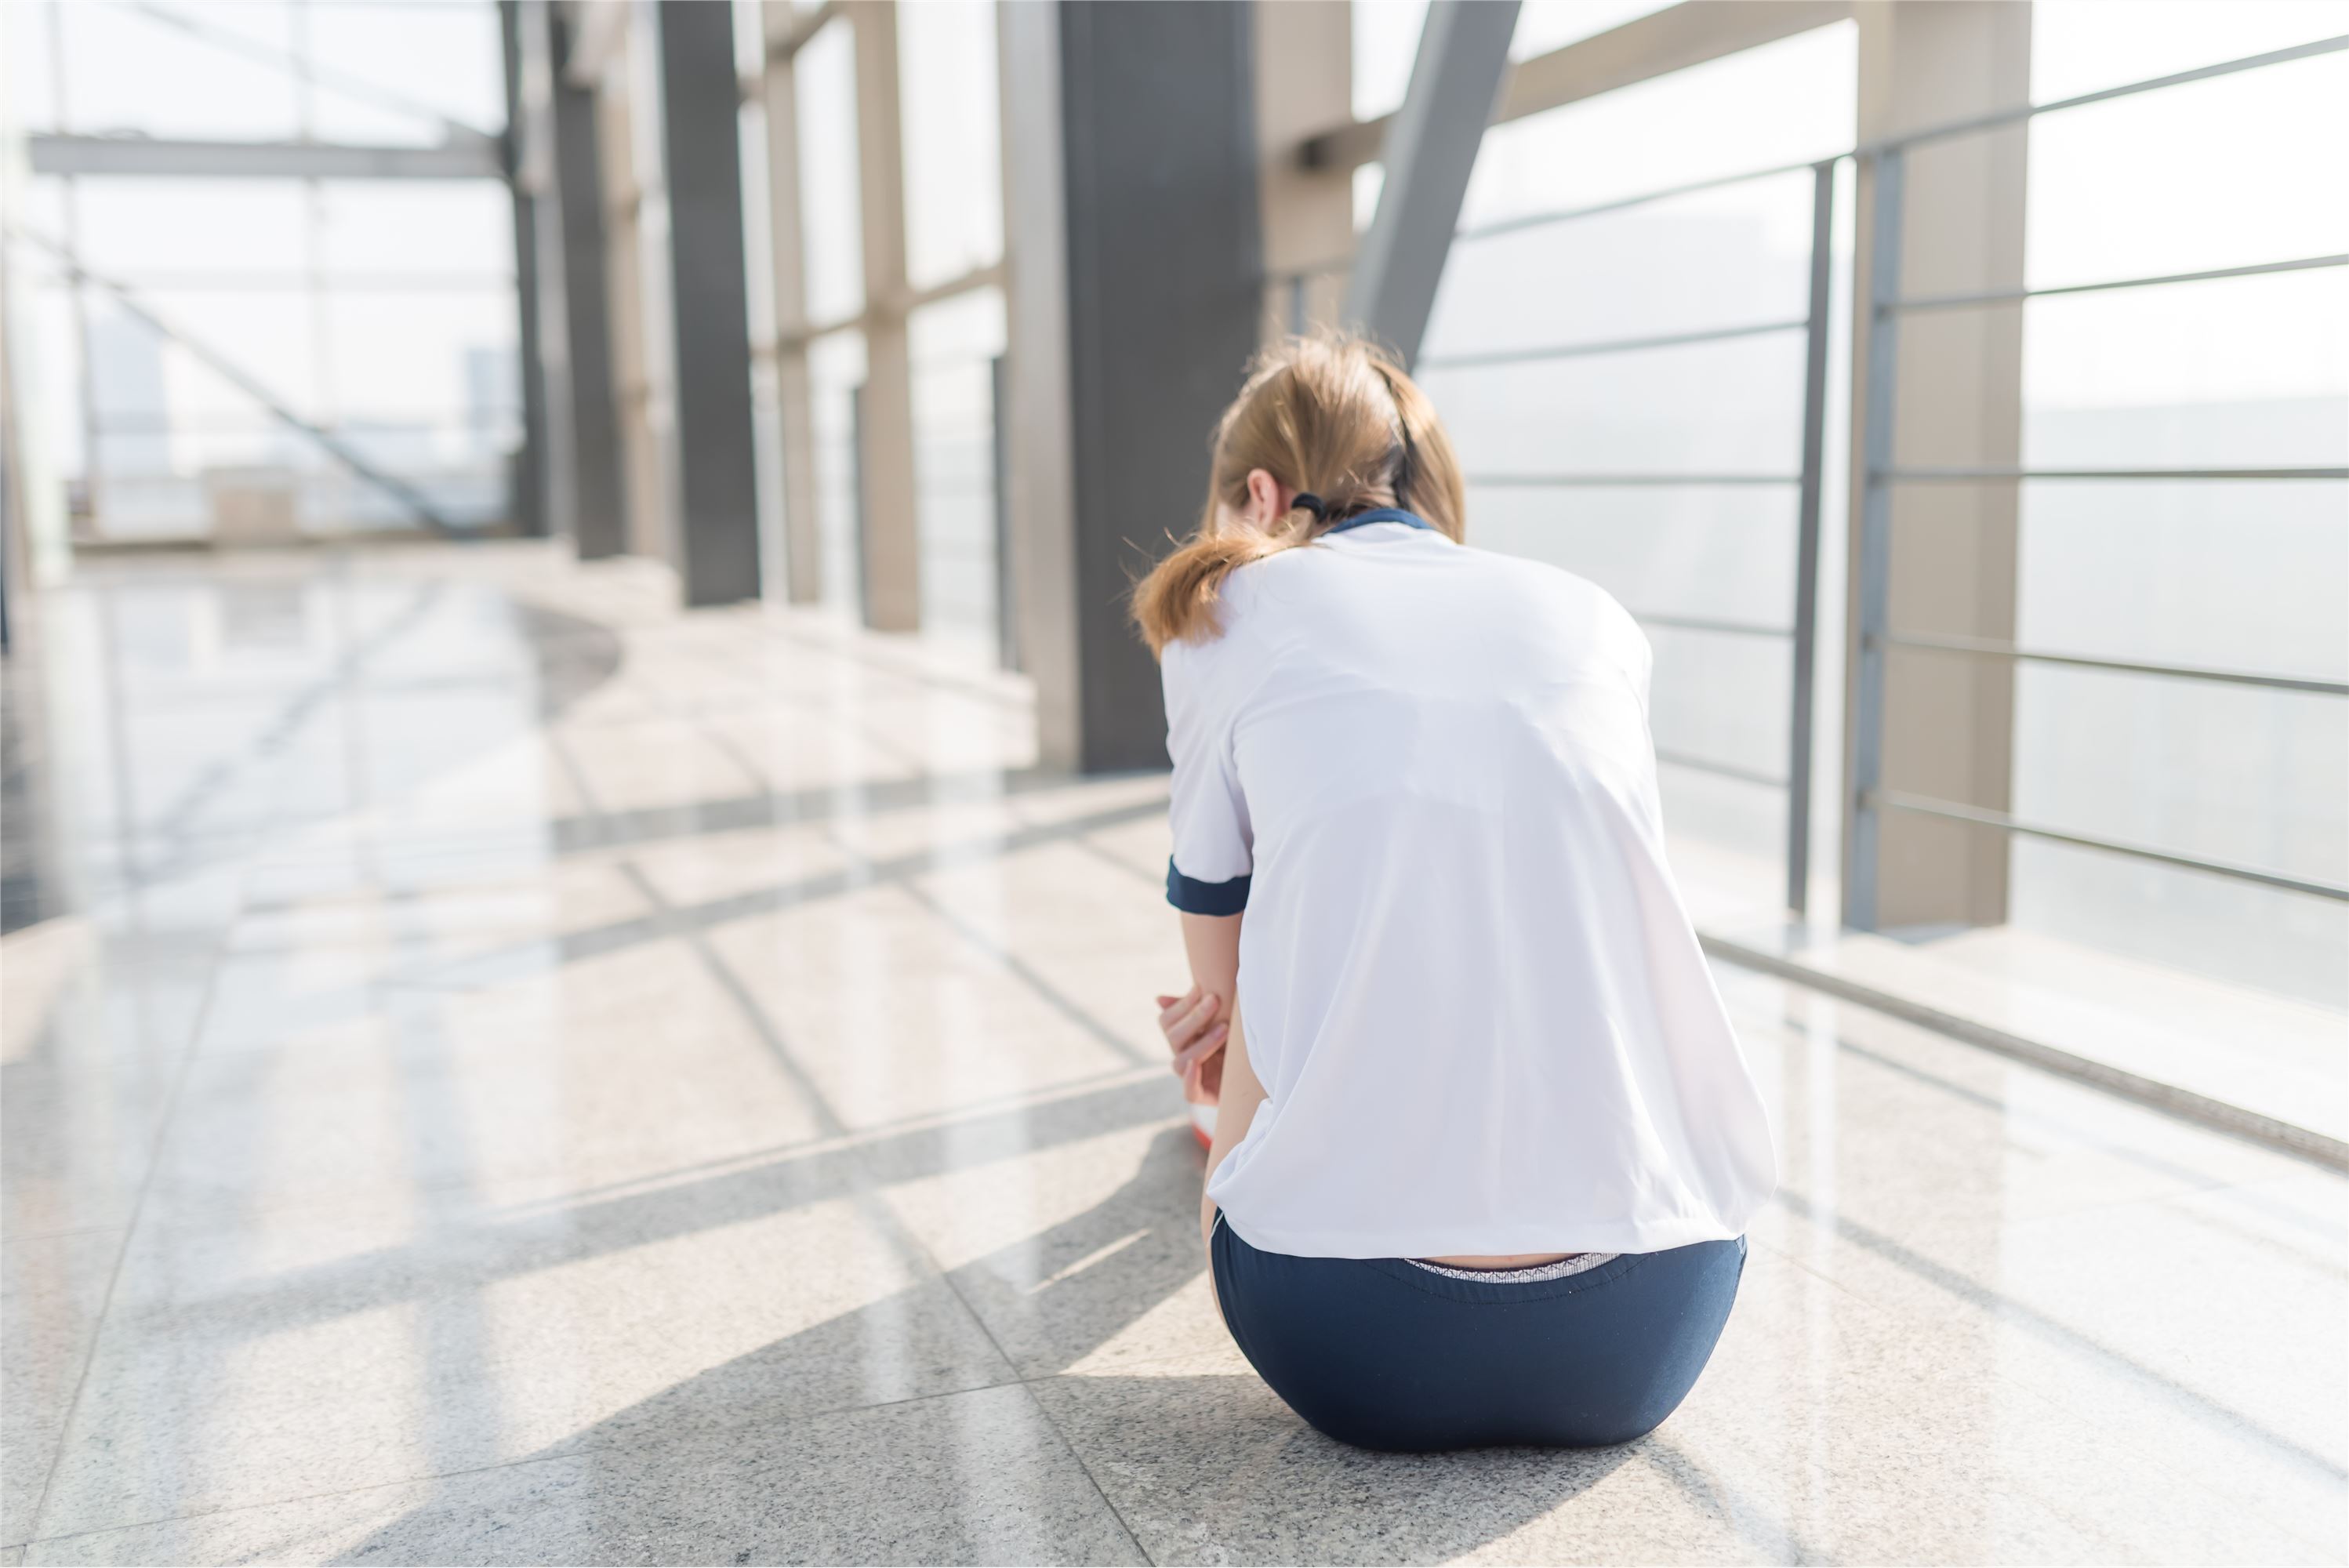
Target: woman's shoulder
column 1556, row 589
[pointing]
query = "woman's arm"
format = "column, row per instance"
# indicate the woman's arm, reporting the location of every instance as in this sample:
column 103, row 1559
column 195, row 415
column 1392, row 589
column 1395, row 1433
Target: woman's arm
column 1213, row 945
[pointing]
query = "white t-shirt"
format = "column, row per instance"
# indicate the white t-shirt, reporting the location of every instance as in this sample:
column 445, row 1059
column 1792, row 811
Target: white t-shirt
column 1478, row 1010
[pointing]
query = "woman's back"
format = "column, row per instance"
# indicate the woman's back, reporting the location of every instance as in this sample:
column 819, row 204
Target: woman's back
column 1479, row 1015
column 1484, row 1147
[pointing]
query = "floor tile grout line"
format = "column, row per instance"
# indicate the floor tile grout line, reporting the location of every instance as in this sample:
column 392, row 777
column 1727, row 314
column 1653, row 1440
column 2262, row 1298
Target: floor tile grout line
column 1024, row 1381
column 698, row 940
column 1004, row 961
column 2207, row 1410
column 185, row 1066
column 1018, row 1381
column 429, row 1478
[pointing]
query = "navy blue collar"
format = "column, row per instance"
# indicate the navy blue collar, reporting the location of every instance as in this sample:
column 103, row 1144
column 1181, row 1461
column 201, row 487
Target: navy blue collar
column 1383, row 514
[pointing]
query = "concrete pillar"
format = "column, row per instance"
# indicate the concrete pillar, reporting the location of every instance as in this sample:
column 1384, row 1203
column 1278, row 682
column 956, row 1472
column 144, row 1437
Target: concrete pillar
column 794, row 388
column 1130, row 162
column 1947, row 724
column 1304, row 84
column 588, row 501
column 715, row 484
column 890, row 536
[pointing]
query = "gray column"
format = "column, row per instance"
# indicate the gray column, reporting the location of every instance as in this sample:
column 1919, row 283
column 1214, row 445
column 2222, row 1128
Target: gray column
column 1947, row 725
column 717, row 527
column 1135, row 250
column 591, row 500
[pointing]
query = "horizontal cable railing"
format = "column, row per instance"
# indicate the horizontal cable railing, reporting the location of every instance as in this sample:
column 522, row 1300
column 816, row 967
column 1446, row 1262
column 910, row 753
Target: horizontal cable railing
column 1719, row 769
column 1881, row 473
column 1701, row 624
column 1956, row 812
column 1808, row 480
column 2213, row 275
column 1998, row 118
column 1962, row 475
column 1613, row 481
column 1885, row 158
column 1606, row 345
column 1988, row 648
column 1500, row 226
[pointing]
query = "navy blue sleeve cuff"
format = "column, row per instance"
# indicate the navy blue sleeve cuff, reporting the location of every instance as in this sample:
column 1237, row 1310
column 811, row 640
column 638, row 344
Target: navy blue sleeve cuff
column 1193, row 896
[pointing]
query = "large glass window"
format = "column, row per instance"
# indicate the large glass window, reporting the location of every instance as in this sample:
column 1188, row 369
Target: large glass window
column 2246, row 372
column 1626, row 389
column 354, row 341
column 954, row 344
column 830, row 215
column 954, row 172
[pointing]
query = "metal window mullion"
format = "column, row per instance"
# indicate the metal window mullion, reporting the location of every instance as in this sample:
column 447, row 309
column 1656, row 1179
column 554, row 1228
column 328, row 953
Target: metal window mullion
column 1807, row 545
column 1873, row 567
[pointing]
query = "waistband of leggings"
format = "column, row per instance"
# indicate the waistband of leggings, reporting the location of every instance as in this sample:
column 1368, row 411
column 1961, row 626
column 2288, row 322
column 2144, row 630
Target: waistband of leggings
column 1498, row 1292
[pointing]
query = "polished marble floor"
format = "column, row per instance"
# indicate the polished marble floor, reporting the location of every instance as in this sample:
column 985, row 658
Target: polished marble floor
column 499, row 1070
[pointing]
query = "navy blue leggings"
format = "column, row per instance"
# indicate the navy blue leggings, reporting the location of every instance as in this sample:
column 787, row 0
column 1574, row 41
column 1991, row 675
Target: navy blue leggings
column 1384, row 1354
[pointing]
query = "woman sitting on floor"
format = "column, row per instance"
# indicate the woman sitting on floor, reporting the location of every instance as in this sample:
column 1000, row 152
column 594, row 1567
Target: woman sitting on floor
column 1486, row 1147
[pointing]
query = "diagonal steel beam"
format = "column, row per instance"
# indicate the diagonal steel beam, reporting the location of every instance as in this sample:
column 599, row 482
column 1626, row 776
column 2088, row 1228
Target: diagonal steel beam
column 1431, row 149
column 326, row 441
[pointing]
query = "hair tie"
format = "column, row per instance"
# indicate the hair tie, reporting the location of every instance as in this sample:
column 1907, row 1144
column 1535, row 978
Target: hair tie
column 1308, row 501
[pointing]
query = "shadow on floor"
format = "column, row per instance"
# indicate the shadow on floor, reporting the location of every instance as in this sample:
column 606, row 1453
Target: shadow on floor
column 728, row 1465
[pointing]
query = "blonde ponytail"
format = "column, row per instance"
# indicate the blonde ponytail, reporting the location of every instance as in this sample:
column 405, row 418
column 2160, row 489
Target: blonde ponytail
column 1333, row 416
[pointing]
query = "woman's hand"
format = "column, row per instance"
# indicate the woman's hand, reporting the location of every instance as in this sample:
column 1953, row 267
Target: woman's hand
column 1195, row 1032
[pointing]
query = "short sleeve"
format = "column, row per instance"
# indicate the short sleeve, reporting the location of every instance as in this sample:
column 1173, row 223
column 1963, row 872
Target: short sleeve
column 1214, row 843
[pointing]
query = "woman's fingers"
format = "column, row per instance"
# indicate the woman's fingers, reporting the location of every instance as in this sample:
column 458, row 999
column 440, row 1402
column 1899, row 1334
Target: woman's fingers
column 1209, row 1042
column 1188, row 1024
column 1172, row 1008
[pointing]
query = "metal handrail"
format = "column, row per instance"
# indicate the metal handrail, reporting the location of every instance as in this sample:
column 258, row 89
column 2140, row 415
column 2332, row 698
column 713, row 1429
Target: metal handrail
column 1997, row 118
column 1941, row 475
column 1957, row 812
column 1694, row 187
column 1606, row 345
column 1988, row 648
column 2005, row 296
column 1722, row 769
column 1880, row 472
column 1701, row 624
column 1871, row 149
column 1613, row 481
